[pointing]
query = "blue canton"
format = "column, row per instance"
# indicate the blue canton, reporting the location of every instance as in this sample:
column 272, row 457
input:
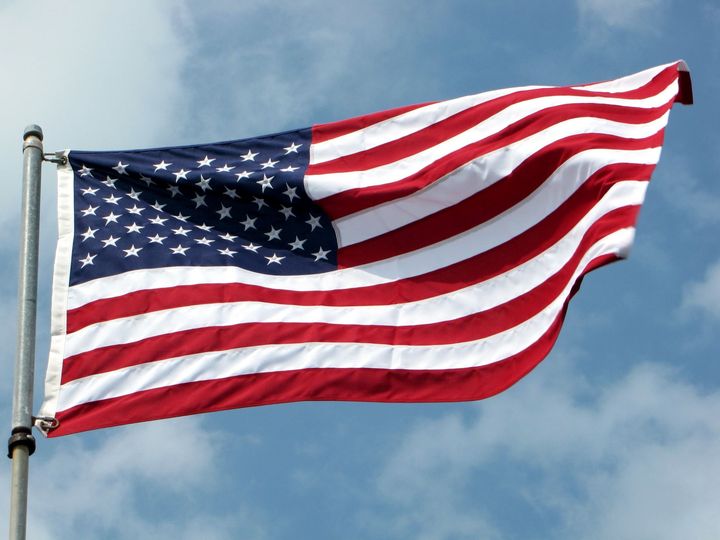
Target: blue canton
column 239, row 203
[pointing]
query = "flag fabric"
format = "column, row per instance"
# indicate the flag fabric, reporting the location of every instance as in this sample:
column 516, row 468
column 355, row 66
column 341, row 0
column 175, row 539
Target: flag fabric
column 422, row 254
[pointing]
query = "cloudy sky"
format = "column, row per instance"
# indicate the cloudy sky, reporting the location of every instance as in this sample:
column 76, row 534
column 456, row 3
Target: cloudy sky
column 614, row 436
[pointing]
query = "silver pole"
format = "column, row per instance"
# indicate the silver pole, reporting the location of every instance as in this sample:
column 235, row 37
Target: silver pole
column 22, row 444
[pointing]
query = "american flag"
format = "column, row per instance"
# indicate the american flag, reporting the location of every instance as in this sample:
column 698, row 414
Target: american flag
column 426, row 253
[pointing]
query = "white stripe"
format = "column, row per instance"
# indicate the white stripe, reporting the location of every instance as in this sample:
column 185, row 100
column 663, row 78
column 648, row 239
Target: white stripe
column 273, row 358
column 472, row 299
column 415, row 120
column 320, row 186
column 485, row 170
column 482, row 238
column 623, row 84
column 401, row 125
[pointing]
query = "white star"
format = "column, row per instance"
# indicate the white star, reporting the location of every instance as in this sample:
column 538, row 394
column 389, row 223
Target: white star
column 161, row 166
column 313, row 222
column 181, row 231
column 260, row 202
column 249, row 223
column 203, row 183
column 293, row 148
column 110, row 181
column 199, row 200
column 134, row 227
column 205, row 162
column 291, row 192
column 110, row 241
column 134, row 194
column 157, row 206
column 229, row 237
column 90, row 233
column 273, row 234
column 266, row 182
column 157, row 239
column 269, row 163
column 321, row 254
column 297, row 244
column 287, row 212
column 179, row 250
column 132, row 251
column 203, row 227
column 85, row 171
column 230, row 193
column 182, row 173
column 223, row 212
column 147, row 180
column 87, row 260
column 244, row 174
column 224, row 168
column 89, row 191
column 120, row 167
column 89, row 211
column 204, row 241
column 181, row 217
column 157, row 220
column 250, row 156
column 111, row 217
column 251, row 247
column 274, row 259
column 289, row 168
column 135, row 210
column 174, row 190
column 112, row 199
column 227, row 252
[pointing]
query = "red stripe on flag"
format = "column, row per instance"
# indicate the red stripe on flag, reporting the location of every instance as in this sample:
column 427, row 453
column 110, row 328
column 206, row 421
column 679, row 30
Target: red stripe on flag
column 317, row 384
column 458, row 123
column 332, row 130
column 468, row 328
column 516, row 251
column 494, row 200
column 355, row 200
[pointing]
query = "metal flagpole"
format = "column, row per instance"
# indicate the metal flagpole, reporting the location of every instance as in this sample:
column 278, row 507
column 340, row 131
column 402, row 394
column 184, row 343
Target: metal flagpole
column 21, row 443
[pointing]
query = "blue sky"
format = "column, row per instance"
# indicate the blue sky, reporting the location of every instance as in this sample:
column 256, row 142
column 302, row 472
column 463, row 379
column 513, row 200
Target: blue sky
column 614, row 435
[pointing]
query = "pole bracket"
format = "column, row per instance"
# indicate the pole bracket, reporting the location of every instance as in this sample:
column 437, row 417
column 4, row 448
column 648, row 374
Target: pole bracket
column 55, row 157
column 21, row 436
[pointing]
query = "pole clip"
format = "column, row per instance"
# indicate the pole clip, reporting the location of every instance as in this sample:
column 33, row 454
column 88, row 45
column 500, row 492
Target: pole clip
column 21, row 436
column 55, row 157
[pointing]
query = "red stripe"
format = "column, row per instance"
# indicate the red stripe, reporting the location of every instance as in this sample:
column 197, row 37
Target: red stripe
column 327, row 384
column 325, row 132
column 468, row 328
column 354, row 200
column 518, row 250
column 439, row 132
column 490, row 202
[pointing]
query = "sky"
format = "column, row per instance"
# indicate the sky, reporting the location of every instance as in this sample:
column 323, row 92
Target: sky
column 614, row 435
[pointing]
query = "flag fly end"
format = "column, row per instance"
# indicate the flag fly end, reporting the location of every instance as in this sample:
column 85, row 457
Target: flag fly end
column 685, row 93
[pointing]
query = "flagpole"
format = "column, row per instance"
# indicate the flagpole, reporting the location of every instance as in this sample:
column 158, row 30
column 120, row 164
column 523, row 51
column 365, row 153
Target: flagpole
column 21, row 444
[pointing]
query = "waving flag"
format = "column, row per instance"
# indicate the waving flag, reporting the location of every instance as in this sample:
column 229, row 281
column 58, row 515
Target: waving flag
column 426, row 253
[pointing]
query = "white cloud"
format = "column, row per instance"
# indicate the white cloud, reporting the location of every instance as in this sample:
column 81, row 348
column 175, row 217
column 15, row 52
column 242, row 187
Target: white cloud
column 93, row 75
column 635, row 459
column 152, row 480
column 259, row 78
column 620, row 14
column 704, row 295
